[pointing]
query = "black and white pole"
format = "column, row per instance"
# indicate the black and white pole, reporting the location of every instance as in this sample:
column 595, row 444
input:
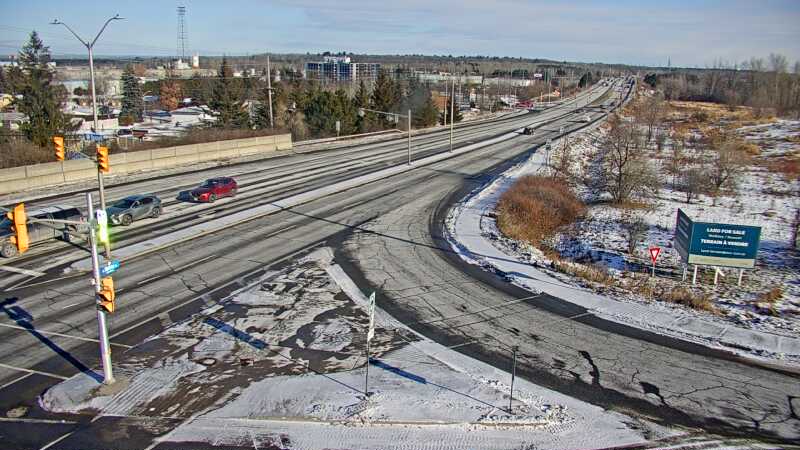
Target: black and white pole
column 513, row 375
column 370, row 335
column 105, row 350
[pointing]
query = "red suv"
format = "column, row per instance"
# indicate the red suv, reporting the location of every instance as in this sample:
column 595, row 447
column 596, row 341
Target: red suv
column 214, row 188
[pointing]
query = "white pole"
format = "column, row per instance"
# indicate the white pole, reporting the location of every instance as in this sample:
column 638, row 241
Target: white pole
column 452, row 109
column 694, row 277
column 741, row 272
column 105, row 351
column 269, row 93
column 409, row 137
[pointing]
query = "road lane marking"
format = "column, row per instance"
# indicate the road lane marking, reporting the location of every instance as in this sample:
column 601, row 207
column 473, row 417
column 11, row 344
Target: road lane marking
column 38, row 372
column 14, row 381
column 25, row 284
column 31, row 273
column 193, row 263
column 53, row 333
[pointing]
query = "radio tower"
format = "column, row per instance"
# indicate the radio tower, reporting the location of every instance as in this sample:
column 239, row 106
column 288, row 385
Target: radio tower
column 182, row 33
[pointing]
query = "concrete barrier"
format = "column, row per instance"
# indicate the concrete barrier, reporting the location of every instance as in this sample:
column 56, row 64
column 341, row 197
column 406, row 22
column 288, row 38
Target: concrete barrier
column 56, row 173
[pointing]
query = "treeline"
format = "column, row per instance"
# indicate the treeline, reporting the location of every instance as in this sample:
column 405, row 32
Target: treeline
column 306, row 108
column 757, row 83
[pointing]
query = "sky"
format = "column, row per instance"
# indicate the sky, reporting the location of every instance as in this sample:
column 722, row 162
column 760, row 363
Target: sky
column 688, row 33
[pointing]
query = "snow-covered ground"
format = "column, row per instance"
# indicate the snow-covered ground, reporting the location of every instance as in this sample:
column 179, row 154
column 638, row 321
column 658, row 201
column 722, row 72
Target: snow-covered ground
column 741, row 325
column 282, row 362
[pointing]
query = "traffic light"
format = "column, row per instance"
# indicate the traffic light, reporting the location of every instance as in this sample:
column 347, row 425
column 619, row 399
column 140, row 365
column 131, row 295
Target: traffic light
column 102, row 159
column 106, row 296
column 58, row 143
column 102, row 225
column 19, row 225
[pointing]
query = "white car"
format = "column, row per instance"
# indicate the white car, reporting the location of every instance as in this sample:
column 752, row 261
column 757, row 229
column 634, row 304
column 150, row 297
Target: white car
column 587, row 118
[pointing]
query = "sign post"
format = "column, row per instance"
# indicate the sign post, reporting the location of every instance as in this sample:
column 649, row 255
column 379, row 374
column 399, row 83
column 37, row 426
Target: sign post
column 654, row 252
column 370, row 335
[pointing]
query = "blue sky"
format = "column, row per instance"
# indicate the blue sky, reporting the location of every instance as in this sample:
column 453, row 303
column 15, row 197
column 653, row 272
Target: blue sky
column 691, row 33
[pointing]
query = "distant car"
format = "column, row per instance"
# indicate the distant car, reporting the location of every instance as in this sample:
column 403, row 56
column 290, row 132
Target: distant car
column 529, row 130
column 587, row 118
column 38, row 232
column 214, row 188
column 125, row 211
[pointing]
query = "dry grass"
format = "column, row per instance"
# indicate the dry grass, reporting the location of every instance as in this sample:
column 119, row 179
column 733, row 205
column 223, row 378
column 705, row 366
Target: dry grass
column 535, row 207
column 683, row 296
column 594, row 273
column 702, row 115
column 770, row 296
column 788, row 167
column 22, row 152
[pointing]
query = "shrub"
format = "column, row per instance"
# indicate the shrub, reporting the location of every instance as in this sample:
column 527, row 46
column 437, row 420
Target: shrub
column 535, row 207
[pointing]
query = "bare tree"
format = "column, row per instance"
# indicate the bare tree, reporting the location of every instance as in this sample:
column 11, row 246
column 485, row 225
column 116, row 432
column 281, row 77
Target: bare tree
column 625, row 170
column 694, row 181
column 651, row 114
column 727, row 164
column 562, row 161
column 677, row 157
column 635, row 229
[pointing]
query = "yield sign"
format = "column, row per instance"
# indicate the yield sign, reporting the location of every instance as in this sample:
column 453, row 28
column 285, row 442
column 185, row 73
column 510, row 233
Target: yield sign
column 654, row 252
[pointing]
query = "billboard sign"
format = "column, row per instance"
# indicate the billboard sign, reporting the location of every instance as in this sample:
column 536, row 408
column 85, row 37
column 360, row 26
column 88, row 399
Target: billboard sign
column 716, row 244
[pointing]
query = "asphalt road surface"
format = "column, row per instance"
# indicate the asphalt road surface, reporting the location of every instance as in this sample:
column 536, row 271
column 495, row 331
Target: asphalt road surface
column 387, row 235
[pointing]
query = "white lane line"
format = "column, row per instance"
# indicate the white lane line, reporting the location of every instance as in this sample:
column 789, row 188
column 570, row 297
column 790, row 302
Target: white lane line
column 94, row 419
column 25, row 283
column 194, row 263
column 283, row 230
column 53, row 333
column 31, row 273
column 38, row 372
column 26, row 420
column 14, row 381
column 147, row 280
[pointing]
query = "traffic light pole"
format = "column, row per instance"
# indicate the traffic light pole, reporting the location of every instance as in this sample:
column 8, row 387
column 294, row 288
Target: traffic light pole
column 106, row 245
column 105, row 350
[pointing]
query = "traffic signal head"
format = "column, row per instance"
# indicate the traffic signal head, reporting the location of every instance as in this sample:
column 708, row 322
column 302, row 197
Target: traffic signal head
column 102, row 225
column 106, row 296
column 58, row 143
column 102, row 159
column 19, row 225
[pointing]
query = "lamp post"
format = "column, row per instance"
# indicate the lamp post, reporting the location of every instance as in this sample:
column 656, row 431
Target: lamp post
column 362, row 111
column 90, row 46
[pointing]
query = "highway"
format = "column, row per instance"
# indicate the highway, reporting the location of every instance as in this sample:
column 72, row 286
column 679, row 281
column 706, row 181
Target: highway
column 387, row 235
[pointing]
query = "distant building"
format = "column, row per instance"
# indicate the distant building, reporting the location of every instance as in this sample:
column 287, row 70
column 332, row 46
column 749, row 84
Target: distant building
column 340, row 68
column 195, row 61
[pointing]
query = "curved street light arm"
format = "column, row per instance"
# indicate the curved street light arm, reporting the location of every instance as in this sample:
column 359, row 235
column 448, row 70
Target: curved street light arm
column 58, row 22
column 116, row 17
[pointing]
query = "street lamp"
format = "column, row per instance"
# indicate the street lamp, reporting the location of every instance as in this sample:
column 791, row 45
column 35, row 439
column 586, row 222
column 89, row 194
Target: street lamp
column 90, row 46
column 362, row 112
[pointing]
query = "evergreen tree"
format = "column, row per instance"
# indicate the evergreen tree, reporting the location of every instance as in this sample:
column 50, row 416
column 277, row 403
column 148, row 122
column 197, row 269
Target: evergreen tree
column 41, row 101
column 427, row 115
column 385, row 97
column 347, row 113
column 445, row 115
column 132, row 101
column 366, row 122
column 226, row 99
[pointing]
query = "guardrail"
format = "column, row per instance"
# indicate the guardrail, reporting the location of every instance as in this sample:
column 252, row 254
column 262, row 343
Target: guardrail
column 56, row 173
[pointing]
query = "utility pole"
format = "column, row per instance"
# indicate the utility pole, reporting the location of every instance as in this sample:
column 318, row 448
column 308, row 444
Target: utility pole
column 105, row 351
column 445, row 104
column 269, row 93
column 90, row 46
column 452, row 109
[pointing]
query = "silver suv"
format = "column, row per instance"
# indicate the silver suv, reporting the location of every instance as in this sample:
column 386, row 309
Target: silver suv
column 125, row 211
